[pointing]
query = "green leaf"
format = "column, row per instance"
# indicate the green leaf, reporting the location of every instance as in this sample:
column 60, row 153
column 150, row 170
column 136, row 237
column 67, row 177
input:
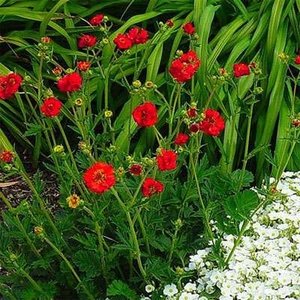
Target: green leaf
column 33, row 129
column 240, row 205
column 119, row 288
column 88, row 262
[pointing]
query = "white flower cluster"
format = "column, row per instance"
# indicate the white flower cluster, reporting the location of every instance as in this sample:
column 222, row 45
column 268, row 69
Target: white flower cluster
column 265, row 265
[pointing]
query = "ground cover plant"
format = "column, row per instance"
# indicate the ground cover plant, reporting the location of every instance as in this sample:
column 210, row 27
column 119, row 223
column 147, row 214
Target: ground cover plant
column 155, row 120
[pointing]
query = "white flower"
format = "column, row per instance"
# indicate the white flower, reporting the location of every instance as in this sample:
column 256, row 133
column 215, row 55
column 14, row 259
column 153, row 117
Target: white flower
column 170, row 290
column 188, row 296
column 190, row 287
column 149, row 288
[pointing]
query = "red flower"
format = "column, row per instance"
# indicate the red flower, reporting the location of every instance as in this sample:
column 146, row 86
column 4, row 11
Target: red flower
column 136, row 169
column 97, row 19
column 100, row 177
column 86, row 41
column 184, row 68
column 145, row 115
column 9, row 85
column 181, row 139
column 213, row 123
column 83, row 65
column 240, row 70
column 194, row 128
column 123, row 42
column 297, row 60
column 189, row 28
column 46, row 40
column 192, row 112
column 138, row 35
column 51, row 107
column 57, row 71
column 70, row 83
column 166, row 160
column 6, row 156
column 151, row 187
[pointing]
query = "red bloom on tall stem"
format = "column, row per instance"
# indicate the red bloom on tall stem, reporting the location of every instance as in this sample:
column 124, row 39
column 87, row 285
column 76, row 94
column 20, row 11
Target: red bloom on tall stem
column 9, row 85
column 123, row 42
column 138, row 35
column 189, row 28
column 184, row 68
column 297, row 60
column 151, row 187
column 70, row 82
column 181, row 139
column 213, row 123
column 240, row 70
column 145, row 115
column 166, row 160
column 51, row 107
column 87, row 41
column 100, row 177
column 96, row 20
column 6, row 156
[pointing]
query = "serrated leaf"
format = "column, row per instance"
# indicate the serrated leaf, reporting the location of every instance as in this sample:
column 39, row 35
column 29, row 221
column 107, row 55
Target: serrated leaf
column 119, row 288
column 88, row 262
column 33, row 129
column 240, row 205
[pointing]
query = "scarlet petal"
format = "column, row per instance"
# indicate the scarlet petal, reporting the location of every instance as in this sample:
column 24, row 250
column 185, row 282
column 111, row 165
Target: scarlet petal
column 213, row 123
column 241, row 70
column 166, row 160
column 70, row 83
column 145, row 115
column 51, row 107
column 151, row 187
column 100, row 177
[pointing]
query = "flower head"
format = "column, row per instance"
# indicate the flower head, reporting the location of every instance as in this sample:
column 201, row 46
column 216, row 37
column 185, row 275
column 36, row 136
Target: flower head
column 213, row 123
column 70, row 82
column 166, row 160
column 6, row 156
column 73, row 201
column 170, row 290
column 136, row 169
column 51, row 107
column 87, row 41
column 123, row 42
column 100, row 177
column 96, row 20
column 181, row 139
column 184, row 68
column 151, row 187
column 240, row 70
column 189, row 28
column 297, row 60
column 83, row 65
column 145, row 115
column 9, row 85
column 138, row 35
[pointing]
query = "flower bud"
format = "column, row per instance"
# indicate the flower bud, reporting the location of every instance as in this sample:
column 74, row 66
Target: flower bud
column 258, row 90
column 179, row 52
column 149, row 84
column 58, row 149
column 108, row 114
column 38, row 230
column 78, row 102
column 137, row 84
column 105, row 41
column 74, row 201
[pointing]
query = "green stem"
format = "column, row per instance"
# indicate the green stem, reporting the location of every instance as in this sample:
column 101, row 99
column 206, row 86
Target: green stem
column 28, row 277
column 143, row 229
column 20, row 226
column 90, row 296
column 133, row 235
column 174, row 238
column 205, row 215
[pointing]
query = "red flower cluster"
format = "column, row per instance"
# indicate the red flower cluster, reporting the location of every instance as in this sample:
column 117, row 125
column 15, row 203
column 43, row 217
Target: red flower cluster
column 70, row 83
column 166, row 160
column 213, row 123
column 240, row 70
column 51, row 107
column 136, row 169
column 145, row 115
column 9, row 85
column 189, row 28
column 87, row 41
column 99, row 178
column 135, row 36
column 151, row 187
column 96, row 20
column 297, row 60
column 184, row 68
column 181, row 139
column 6, row 156
column 83, row 65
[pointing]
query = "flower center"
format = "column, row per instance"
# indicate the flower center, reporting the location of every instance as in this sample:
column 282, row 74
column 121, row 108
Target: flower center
column 99, row 176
